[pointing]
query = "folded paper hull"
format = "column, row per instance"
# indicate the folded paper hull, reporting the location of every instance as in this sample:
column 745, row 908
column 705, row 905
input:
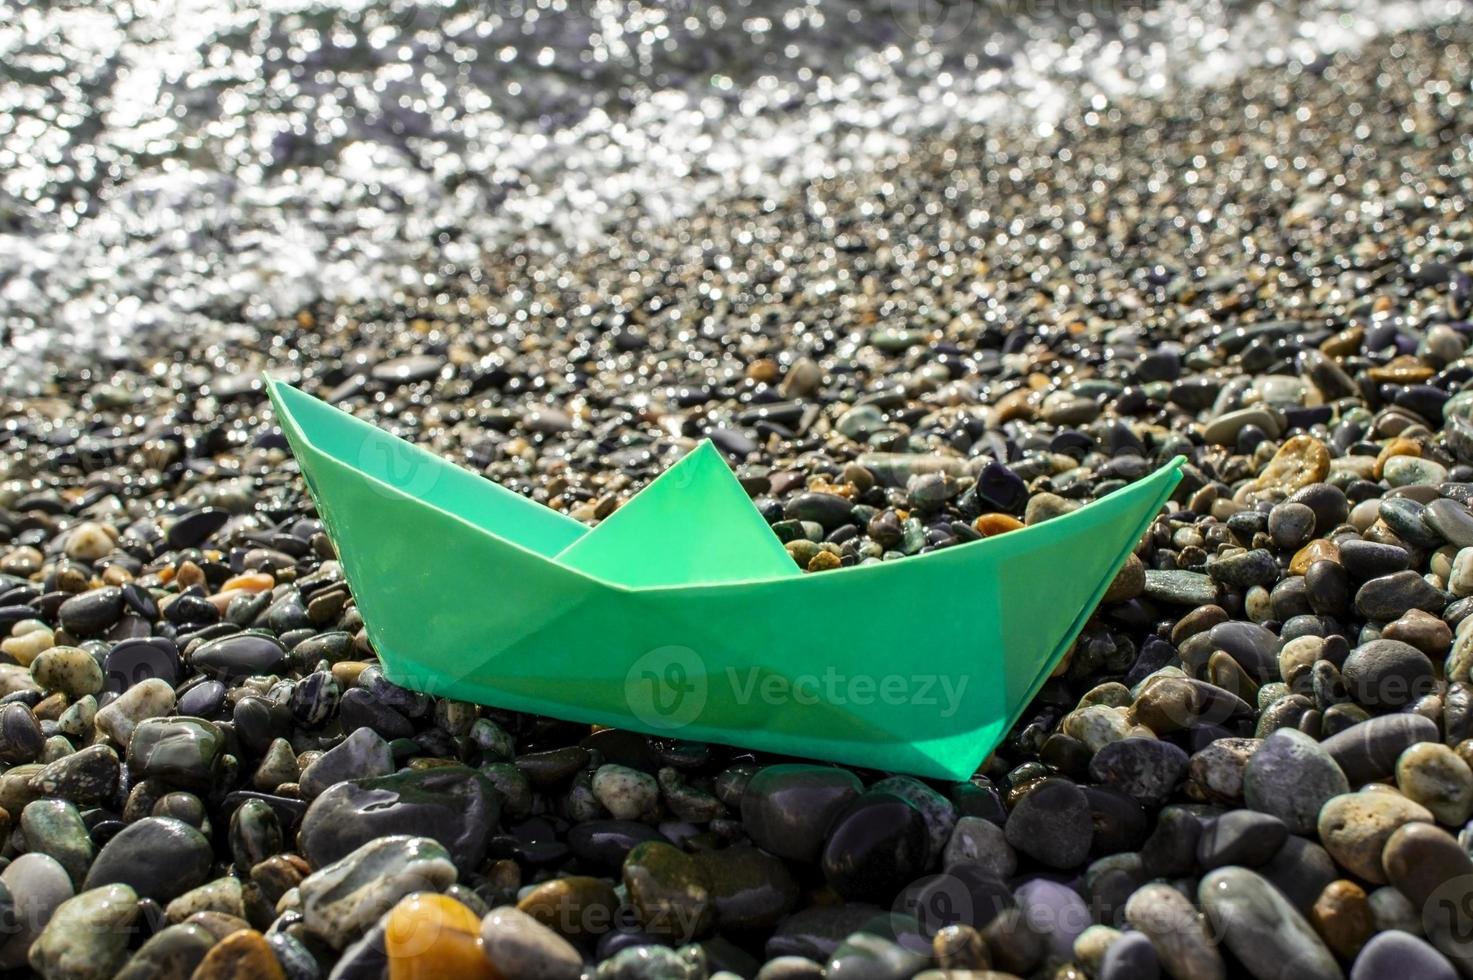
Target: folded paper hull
column 919, row 665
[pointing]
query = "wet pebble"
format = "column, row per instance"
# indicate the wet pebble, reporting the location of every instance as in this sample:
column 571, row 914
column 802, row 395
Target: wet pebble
column 517, row 945
column 131, row 858
column 1264, row 931
column 86, row 938
column 342, row 899
column 787, row 809
column 1052, row 824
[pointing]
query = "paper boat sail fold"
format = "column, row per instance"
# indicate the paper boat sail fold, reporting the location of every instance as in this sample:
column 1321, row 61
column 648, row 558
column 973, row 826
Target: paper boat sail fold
column 677, row 616
column 693, row 523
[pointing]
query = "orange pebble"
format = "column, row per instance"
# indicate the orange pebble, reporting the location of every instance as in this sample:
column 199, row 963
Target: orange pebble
column 250, row 582
column 1320, row 549
column 189, row 574
column 429, row 936
column 244, row 953
column 989, row 524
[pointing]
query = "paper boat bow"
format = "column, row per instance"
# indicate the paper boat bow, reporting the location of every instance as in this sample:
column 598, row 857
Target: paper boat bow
column 682, row 615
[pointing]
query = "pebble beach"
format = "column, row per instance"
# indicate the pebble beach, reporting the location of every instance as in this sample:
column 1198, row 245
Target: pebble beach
column 1256, row 760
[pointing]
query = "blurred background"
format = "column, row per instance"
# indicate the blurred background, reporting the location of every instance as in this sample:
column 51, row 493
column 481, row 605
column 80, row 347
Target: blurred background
column 175, row 167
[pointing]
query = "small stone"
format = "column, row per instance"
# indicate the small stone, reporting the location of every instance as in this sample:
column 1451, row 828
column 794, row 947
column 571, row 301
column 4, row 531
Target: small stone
column 1389, row 596
column 668, row 890
column 876, row 845
column 1244, row 569
column 1300, row 462
column 1397, row 955
column 1354, row 828
column 1422, row 630
column 885, row 950
column 239, row 655
column 1369, row 750
column 88, row 542
column 787, row 809
column 981, row 842
column 1387, row 674
column 1428, row 866
column 1046, row 506
column 90, row 613
column 1170, row 704
column 1342, row 915
column 346, row 897
column 452, row 804
column 959, row 947
column 86, row 938
column 172, row 953
column 243, row 953
column 937, row 811
column 278, row 766
column 1262, row 929
column 1460, row 579
column 627, row 794
column 1216, row 773
column 797, row 968
column 150, row 698
column 1129, row 582
column 1407, row 471
column 1145, row 769
column 1054, row 911
column 363, row 754
column 1015, row 946
column 21, row 739
column 1291, row 525
column 1435, row 776
column 750, row 889
column 1291, row 776
column 647, row 962
column 1092, row 944
column 222, row 895
column 1390, row 909
column 429, row 936
column 131, row 858
column 1241, row 837
column 1300, row 871
column 1052, row 824
column 55, row 828
column 72, row 671
column 86, row 777
column 1131, row 957
column 575, row 906
column 517, row 945
column 1165, row 917
column 1179, row 587
column 1452, row 520
column 35, row 885
column 179, row 751
column 26, row 647
column 1223, row 430
column 255, row 833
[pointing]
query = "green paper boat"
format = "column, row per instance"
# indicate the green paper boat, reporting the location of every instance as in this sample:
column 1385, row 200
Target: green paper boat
column 682, row 615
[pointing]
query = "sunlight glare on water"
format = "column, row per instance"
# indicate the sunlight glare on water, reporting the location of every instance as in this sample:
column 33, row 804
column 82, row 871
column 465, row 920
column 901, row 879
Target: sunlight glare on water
column 181, row 164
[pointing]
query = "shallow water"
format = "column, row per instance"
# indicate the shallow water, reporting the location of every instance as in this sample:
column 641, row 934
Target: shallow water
column 182, row 165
